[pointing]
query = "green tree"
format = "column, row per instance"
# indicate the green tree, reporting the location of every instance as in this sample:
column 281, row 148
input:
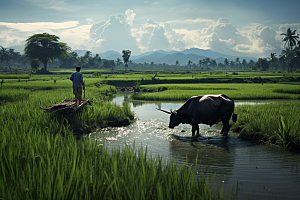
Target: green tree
column 200, row 63
column 46, row 48
column 262, row 64
column 126, row 55
column 190, row 63
column 251, row 63
column 35, row 64
column 244, row 63
column 118, row 62
column 108, row 64
column 213, row 63
column 290, row 38
column 98, row 59
column 237, row 62
column 5, row 56
column 226, row 62
column 177, row 63
column 87, row 55
column 273, row 60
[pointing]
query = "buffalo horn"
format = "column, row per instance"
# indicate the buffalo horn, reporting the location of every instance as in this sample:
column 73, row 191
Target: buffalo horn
column 164, row 111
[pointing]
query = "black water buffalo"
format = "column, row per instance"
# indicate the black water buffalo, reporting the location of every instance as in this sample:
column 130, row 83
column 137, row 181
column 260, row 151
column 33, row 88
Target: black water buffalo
column 205, row 109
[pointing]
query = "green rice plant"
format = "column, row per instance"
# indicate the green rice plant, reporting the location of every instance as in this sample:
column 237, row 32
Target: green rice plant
column 279, row 120
column 235, row 91
column 289, row 91
column 287, row 132
column 14, row 76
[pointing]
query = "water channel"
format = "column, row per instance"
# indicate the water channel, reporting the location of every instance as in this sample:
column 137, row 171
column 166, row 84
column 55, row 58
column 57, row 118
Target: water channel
column 258, row 171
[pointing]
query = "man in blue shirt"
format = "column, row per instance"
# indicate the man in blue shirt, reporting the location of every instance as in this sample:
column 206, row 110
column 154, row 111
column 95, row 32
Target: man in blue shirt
column 78, row 84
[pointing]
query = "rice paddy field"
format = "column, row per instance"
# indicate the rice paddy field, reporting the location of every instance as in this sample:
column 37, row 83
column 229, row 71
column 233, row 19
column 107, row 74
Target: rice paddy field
column 235, row 91
column 41, row 159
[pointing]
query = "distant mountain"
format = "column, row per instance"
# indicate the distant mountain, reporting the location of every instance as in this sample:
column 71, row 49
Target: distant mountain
column 170, row 57
column 112, row 55
column 205, row 53
column 181, row 57
column 184, row 56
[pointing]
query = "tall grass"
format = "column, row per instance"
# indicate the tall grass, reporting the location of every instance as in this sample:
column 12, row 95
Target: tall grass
column 40, row 165
column 274, row 120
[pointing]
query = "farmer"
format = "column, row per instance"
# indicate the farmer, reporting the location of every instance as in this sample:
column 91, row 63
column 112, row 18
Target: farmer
column 78, row 84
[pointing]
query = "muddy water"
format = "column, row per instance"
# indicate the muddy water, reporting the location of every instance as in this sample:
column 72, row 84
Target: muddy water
column 257, row 171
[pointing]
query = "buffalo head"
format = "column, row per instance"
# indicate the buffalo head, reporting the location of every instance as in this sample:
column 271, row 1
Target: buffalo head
column 174, row 118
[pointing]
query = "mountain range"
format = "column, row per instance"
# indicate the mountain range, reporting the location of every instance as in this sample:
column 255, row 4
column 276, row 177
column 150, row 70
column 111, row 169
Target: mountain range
column 161, row 56
column 170, row 57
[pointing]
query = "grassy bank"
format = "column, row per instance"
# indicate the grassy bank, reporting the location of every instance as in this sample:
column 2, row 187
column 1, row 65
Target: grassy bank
column 274, row 123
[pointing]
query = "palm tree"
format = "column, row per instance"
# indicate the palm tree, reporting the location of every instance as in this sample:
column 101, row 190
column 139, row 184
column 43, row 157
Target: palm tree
column 190, row 63
column 200, row 63
column 231, row 63
column 98, row 59
column 126, row 55
column 177, row 63
column 290, row 38
column 287, row 57
column 244, row 63
column 87, row 55
column 273, row 59
column 226, row 62
column 237, row 62
column 118, row 61
column 213, row 63
column 5, row 56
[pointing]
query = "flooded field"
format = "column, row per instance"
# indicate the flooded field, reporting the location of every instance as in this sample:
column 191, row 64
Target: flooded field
column 256, row 171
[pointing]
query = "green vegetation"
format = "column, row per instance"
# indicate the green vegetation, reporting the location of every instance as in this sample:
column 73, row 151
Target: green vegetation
column 41, row 159
column 277, row 123
column 235, row 91
column 45, row 48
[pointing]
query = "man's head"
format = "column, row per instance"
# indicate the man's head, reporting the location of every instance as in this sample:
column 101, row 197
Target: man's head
column 78, row 68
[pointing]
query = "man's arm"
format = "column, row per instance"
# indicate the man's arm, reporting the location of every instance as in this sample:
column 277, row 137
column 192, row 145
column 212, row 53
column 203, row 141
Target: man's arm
column 71, row 77
column 82, row 83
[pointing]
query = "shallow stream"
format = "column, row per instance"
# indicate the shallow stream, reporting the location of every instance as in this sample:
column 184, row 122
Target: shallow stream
column 257, row 171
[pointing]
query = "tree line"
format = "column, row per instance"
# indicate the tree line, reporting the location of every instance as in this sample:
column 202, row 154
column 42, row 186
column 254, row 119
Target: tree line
column 46, row 49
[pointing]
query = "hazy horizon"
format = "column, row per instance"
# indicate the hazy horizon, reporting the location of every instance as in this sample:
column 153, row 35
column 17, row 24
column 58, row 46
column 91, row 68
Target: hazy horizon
column 229, row 27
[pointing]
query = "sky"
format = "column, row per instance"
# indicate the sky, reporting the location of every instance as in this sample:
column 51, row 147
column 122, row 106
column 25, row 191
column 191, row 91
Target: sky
column 232, row 27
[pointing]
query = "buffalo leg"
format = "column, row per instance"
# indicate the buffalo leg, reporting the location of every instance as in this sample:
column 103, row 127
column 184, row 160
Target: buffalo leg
column 225, row 128
column 195, row 128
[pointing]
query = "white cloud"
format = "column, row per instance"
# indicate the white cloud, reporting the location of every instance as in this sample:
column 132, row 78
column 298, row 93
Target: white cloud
column 114, row 34
column 130, row 16
column 81, row 33
column 152, row 36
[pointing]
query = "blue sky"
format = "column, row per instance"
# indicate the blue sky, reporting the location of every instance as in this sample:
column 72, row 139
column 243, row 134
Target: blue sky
column 238, row 28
